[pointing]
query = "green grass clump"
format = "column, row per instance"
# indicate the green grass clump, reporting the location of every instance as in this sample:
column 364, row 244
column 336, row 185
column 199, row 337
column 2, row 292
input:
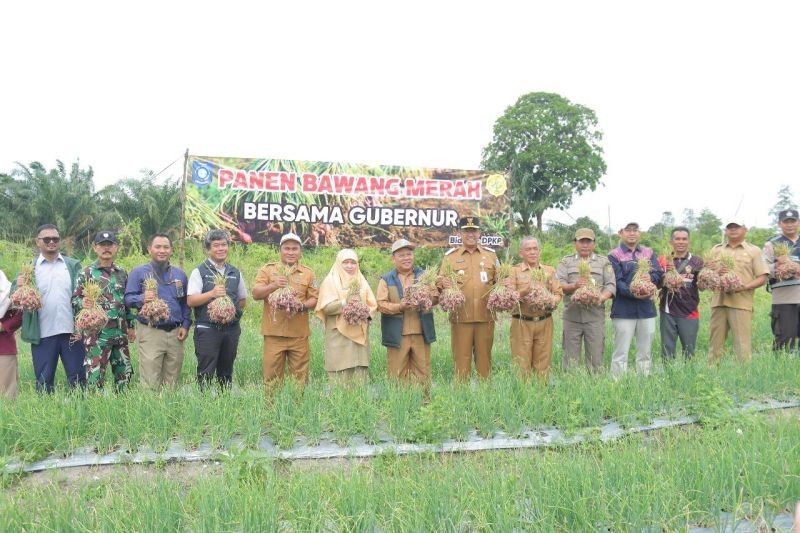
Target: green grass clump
column 670, row 480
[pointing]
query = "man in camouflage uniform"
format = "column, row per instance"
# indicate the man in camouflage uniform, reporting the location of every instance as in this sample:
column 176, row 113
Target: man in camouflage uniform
column 111, row 344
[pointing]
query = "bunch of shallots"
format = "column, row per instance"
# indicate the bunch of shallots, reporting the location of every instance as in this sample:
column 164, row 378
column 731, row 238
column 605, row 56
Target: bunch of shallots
column 673, row 281
column 156, row 310
column 642, row 286
column 421, row 293
column 92, row 318
column 221, row 310
column 451, row 299
column 730, row 280
column 708, row 277
column 285, row 298
column 540, row 298
column 785, row 269
column 589, row 294
column 26, row 296
column 355, row 311
column 501, row 298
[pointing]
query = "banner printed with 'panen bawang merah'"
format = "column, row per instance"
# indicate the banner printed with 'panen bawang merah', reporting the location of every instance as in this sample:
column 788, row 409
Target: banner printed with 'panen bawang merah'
column 339, row 204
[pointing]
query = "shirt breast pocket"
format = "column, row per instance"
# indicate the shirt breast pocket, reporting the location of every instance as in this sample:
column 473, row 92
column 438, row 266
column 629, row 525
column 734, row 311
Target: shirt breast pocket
column 490, row 273
column 462, row 274
column 301, row 287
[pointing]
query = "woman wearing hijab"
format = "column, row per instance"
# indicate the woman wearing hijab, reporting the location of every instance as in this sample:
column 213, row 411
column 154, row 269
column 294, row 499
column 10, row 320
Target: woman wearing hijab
column 10, row 321
column 346, row 345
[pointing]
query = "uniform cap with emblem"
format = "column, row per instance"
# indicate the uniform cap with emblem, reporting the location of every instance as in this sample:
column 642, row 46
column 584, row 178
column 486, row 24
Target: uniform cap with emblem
column 787, row 214
column 399, row 244
column 469, row 223
column 584, row 233
column 105, row 236
column 291, row 237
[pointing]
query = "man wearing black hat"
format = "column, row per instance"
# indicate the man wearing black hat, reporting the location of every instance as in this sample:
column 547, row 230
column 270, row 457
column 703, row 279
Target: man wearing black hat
column 110, row 344
column 472, row 326
column 785, row 290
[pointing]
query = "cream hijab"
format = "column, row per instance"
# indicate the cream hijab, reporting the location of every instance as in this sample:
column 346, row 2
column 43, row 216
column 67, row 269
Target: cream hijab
column 334, row 288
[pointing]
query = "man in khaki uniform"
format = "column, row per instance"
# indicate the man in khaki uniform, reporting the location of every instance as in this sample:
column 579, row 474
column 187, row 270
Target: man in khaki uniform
column 472, row 328
column 581, row 323
column 734, row 311
column 406, row 332
column 286, row 337
column 532, row 329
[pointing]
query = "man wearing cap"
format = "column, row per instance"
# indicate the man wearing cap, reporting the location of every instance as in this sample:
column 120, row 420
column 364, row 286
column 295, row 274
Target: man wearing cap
column 110, row 344
column 532, row 328
column 286, row 336
column 406, row 332
column 472, row 327
column 581, row 323
column 734, row 310
column 630, row 315
column 160, row 345
column 49, row 330
column 785, row 292
column 215, row 343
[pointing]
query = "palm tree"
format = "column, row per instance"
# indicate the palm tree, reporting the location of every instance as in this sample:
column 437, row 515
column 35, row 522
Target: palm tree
column 156, row 206
column 34, row 195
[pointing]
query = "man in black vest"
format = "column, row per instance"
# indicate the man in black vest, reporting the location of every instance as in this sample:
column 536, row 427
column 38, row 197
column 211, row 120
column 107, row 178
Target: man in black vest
column 216, row 339
column 405, row 331
column 785, row 292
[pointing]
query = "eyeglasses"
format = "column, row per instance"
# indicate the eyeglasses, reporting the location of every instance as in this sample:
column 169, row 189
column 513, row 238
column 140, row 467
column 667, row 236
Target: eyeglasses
column 49, row 240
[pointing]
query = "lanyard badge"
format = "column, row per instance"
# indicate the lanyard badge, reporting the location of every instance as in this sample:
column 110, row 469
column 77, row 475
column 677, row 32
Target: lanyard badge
column 484, row 275
column 179, row 288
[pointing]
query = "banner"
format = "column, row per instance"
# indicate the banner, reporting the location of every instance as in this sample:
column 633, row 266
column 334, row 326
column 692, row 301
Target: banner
column 339, row 204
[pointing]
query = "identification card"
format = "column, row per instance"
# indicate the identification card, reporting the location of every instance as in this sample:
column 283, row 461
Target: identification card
column 179, row 288
column 484, row 277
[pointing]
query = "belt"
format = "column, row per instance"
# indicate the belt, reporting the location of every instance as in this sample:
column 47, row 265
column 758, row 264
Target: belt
column 167, row 327
column 532, row 318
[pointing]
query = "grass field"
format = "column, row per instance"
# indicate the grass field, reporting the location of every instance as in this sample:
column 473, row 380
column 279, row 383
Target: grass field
column 678, row 478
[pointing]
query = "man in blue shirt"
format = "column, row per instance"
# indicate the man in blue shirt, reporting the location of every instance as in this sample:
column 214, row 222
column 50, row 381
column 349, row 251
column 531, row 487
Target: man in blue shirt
column 631, row 315
column 160, row 346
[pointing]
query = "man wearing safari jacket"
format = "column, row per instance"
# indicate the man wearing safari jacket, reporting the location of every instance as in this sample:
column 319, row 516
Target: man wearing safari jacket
column 472, row 327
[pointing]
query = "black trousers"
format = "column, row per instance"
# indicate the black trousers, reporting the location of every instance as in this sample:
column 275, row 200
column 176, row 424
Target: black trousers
column 786, row 327
column 215, row 348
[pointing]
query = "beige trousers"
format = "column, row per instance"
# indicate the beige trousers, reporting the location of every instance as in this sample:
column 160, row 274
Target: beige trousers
column 740, row 323
column 160, row 356
column 282, row 352
column 8, row 376
column 411, row 361
column 472, row 340
column 532, row 345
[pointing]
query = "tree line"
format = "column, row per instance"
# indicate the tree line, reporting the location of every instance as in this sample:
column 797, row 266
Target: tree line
column 31, row 195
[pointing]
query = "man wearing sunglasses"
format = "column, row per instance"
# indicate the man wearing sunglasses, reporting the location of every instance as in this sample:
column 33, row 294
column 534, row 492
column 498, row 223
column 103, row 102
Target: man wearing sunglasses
column 49, row 329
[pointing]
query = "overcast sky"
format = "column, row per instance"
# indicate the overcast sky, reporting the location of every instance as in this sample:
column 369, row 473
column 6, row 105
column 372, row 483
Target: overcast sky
column 698, row 101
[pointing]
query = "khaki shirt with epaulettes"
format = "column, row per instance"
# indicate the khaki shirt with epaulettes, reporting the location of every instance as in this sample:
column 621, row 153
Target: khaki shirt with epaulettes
column 749, row 265
column 521, row 281
column 604, row 279
column 278, row 323
column 474, row 285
